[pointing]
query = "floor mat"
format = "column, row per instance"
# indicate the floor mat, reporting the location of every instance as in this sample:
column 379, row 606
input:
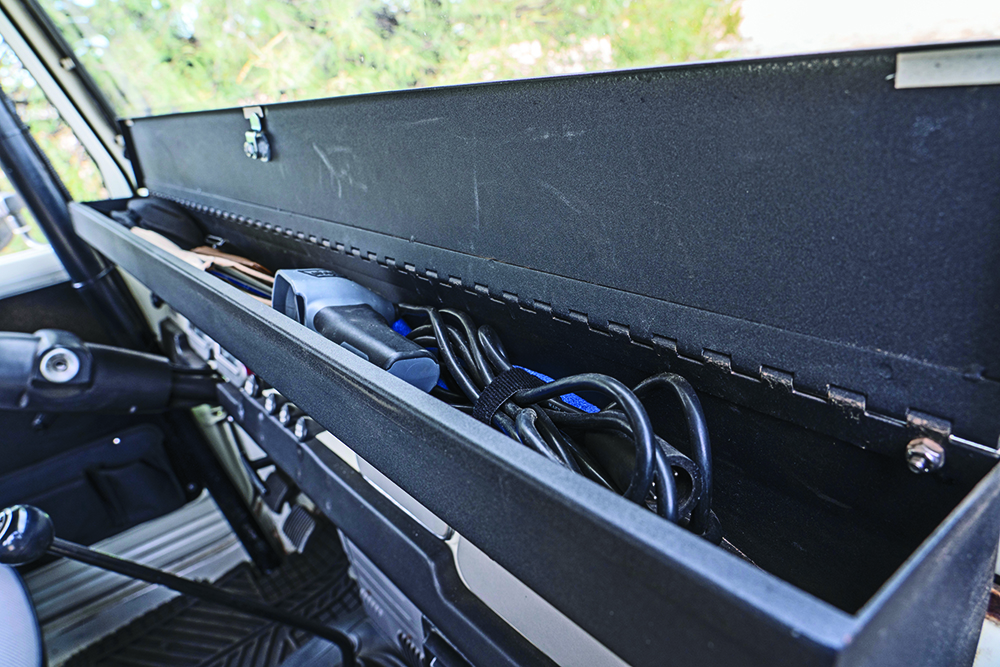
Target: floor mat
column 188, row 633
column 78, row 604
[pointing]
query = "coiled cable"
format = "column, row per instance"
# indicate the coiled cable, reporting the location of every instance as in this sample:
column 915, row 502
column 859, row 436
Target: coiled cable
column 473, row 356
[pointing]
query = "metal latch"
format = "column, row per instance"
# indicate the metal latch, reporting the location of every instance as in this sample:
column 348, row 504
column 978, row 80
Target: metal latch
column 256, row 145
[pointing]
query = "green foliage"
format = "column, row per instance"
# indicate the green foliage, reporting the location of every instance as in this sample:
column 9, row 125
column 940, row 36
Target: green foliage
column 54, row 137
column 158, row 56
column 57, row 141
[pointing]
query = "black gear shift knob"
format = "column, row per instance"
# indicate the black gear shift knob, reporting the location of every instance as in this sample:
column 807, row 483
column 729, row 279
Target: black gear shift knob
column 26, row 533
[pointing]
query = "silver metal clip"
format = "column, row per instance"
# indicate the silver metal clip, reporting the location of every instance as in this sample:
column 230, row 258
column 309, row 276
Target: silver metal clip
column 256, row 145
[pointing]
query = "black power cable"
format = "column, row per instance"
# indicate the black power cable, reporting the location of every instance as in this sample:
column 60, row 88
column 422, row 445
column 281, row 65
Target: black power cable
column 642, row 430
column 473, row 357
column 697, row 436
column 526, row 430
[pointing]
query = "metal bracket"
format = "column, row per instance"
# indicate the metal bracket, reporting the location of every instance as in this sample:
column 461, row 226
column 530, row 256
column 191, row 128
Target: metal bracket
column 256, row 145
column 978, row 66
column 926, row 452
column 923, row 424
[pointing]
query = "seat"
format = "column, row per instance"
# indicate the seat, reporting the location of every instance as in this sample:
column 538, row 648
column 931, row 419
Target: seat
column 20, row 634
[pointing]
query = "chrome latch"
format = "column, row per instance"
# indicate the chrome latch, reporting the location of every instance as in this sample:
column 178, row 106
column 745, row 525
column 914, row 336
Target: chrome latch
column 256, row 145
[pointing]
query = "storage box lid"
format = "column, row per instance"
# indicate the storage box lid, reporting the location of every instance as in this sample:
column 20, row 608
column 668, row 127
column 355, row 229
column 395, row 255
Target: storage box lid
column 792, row 217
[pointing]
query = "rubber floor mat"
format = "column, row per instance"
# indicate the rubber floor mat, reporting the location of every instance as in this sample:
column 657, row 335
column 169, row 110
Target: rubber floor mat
column 186, row 632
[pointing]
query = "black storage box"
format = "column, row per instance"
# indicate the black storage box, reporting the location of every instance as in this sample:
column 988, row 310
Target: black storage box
column 813, row 248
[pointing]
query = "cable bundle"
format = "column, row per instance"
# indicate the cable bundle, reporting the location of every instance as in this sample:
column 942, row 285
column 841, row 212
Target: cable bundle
column 482, row 381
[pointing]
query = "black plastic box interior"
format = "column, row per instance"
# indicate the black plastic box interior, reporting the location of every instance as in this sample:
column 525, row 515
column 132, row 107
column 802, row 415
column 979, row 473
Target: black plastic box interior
column 814, row 249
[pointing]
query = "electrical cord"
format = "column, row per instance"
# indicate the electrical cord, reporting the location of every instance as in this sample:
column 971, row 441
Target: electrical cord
column 458, row 343
column 461, row 378
column 642, row 429
column 666, row 503
column 483, row 369
column 529, row 435
column 697, row 437
column 557, row 441
column 472, row 357
column 587, row 465
column 506, row 425
column 613, row 420
column 493, row 348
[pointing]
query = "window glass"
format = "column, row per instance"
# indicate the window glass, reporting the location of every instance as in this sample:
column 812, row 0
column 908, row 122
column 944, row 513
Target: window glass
column 160, row 56
column 69, row 159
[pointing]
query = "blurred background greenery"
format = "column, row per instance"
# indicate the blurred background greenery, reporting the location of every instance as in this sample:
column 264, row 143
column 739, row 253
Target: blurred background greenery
column 159, row 56
column 163, row 56
column 67, row 156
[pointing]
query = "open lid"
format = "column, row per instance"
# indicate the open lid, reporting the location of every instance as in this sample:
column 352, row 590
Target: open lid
column 799, row 218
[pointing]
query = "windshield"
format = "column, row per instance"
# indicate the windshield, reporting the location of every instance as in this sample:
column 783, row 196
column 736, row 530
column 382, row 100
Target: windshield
column 161, row 56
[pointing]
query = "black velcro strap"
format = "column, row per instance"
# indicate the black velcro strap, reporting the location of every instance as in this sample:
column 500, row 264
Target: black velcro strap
column 500, row 390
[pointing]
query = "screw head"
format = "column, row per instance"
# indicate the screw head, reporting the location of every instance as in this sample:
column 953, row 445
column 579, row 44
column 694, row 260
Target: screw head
column 59, row 365
column 924, row 455
column 263, row 148
column 287, row 414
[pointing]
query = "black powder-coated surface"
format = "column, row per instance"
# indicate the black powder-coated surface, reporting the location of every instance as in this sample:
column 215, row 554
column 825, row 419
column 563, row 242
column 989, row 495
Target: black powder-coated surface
column 637, row 584
column 798, row 213
column 577, row 545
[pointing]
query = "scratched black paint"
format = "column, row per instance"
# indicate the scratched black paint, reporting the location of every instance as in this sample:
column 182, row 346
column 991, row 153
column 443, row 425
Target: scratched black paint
column 796, row 213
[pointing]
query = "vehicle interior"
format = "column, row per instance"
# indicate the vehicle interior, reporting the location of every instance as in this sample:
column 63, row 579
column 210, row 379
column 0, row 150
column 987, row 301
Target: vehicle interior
column 692, row 364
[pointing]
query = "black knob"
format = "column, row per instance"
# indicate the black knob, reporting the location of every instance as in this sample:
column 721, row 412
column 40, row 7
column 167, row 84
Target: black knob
column 26, row 533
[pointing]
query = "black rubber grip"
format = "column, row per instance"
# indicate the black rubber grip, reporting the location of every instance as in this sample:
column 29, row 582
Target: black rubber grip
column 366, row 333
